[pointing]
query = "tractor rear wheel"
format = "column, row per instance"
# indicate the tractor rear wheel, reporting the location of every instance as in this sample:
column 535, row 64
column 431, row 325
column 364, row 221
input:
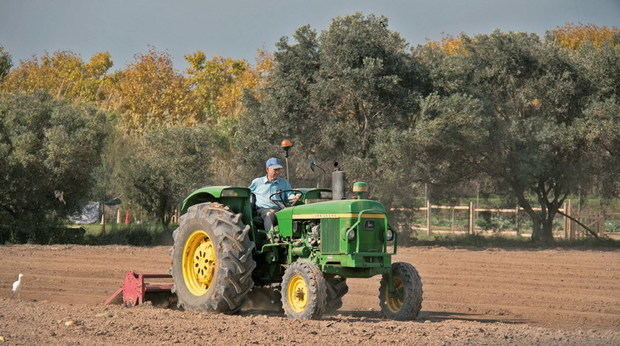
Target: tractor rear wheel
column 404, row 302
column 212, row 260
column 336, row 289
column 304, row 291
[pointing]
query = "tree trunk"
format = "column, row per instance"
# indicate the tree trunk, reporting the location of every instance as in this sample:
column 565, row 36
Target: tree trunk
column 542, row 222
column 162, row 210
column 542, row 229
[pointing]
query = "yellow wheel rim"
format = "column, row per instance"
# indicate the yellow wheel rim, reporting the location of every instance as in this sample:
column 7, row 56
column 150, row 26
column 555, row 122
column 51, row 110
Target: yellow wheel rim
column 297, row 293
column 199, row 260
column 395, row 302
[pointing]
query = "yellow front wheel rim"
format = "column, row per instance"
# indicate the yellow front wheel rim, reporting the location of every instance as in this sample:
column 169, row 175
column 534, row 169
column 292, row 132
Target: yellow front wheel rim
column 297, row 293
column 396, row 302
column 199, row 261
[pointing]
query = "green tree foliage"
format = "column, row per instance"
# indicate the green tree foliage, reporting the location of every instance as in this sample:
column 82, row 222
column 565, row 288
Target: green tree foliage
column 530, row 130
column 5, row 63
column 331, row 94
column 159, row 168
column 537, row 119
column 441, row 150
column 48, row 149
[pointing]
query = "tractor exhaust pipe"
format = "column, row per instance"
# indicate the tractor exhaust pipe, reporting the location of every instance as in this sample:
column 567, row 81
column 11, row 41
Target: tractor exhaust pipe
column 338, row 184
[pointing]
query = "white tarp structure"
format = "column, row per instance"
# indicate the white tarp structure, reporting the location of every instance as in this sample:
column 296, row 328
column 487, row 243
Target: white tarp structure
column 90, row 213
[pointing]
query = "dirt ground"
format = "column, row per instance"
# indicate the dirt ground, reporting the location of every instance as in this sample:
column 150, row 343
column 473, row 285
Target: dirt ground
column 471, row 296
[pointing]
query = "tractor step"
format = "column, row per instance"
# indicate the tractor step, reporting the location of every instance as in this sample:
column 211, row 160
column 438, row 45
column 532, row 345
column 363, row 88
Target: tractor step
column 135, row 291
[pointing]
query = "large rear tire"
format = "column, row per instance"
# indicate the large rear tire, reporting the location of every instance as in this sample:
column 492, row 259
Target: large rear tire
column 405, row 301
column 212, row 260
column 304, row 291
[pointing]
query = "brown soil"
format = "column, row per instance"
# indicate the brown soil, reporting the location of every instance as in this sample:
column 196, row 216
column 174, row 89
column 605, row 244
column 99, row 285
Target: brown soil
column 470, row 296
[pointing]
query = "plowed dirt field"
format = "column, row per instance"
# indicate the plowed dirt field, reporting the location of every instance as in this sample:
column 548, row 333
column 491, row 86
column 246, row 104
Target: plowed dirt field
column 471, row 296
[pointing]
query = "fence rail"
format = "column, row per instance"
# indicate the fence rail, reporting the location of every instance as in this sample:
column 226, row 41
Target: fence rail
column 570, row 229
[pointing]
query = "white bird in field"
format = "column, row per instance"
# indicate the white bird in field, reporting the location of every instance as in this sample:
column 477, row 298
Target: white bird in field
column 17, row 285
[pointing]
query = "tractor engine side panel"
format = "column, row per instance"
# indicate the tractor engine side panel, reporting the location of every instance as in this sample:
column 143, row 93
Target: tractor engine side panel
column 330, row 236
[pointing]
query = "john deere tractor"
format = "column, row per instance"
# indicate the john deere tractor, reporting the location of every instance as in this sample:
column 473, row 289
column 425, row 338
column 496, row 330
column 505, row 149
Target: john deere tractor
column 221, row 252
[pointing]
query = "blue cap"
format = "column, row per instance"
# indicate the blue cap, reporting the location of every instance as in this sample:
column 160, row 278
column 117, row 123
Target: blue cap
column 273, row 163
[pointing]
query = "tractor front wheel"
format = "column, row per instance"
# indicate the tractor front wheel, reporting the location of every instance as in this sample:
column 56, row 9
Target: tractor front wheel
column 403, row 300
column 304, row 291
column 212, row 260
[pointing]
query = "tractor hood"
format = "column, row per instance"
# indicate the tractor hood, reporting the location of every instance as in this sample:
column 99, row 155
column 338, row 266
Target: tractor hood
column 342, row 206
column 333, row 209
column 341, row 209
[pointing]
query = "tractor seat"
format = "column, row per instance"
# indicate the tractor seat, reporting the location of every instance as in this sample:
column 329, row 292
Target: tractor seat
column 256, row 219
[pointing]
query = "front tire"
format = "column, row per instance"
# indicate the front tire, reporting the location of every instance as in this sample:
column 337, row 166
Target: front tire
column 212, row 260
column 405, row 301
column 304, row 291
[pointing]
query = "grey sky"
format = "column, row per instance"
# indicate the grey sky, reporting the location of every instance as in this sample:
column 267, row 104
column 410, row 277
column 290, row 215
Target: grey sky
column 238, row 28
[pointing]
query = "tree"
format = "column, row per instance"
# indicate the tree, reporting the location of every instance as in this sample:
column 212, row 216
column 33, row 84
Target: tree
column 149, row 94
column 48, row 149
column 5, row 63
column 441, row 150
column 252, row 80
column 62, row 74
column 573, row 36
column 159, row 168
column 210, row 78
column 332, row 94
column 531, row 132
column 602, row 121
column 221, row 84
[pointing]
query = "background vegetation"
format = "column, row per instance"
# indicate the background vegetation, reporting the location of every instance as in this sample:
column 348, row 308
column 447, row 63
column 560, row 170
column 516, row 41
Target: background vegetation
column 531, row 120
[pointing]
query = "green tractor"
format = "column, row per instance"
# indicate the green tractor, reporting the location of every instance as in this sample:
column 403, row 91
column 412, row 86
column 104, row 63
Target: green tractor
column 221, row 252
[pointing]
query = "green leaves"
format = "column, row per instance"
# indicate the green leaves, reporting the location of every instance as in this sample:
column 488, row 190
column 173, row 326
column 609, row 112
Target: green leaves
column 47, row 146
column 5, row 62
column 156, row 170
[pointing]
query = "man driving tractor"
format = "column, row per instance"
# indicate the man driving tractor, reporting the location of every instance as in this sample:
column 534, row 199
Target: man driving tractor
column 266, row 186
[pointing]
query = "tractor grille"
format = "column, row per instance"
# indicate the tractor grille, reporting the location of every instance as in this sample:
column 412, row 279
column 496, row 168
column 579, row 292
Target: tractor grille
column 330, row 244
column 370, row 234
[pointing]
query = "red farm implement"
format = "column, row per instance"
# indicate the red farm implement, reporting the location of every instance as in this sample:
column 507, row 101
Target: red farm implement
column 134, row 290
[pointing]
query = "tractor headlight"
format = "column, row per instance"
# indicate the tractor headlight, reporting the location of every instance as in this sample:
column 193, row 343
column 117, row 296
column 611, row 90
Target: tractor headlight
column 389, row 235
column 351, row 234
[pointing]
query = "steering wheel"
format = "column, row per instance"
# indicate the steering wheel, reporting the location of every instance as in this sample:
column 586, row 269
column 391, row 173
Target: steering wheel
column 281, row 199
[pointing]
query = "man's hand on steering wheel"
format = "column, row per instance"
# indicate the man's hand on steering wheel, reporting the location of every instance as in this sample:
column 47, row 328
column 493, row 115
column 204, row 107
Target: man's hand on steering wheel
column 284, row 202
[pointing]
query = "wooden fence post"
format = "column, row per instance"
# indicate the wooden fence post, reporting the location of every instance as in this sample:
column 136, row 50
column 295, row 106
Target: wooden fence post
column 452, row 219
column 103, row 219
column 471, row 218
column 517, row 221
column 428, row 217
column 571, row 231
column 118, row 215
column 566, row 220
